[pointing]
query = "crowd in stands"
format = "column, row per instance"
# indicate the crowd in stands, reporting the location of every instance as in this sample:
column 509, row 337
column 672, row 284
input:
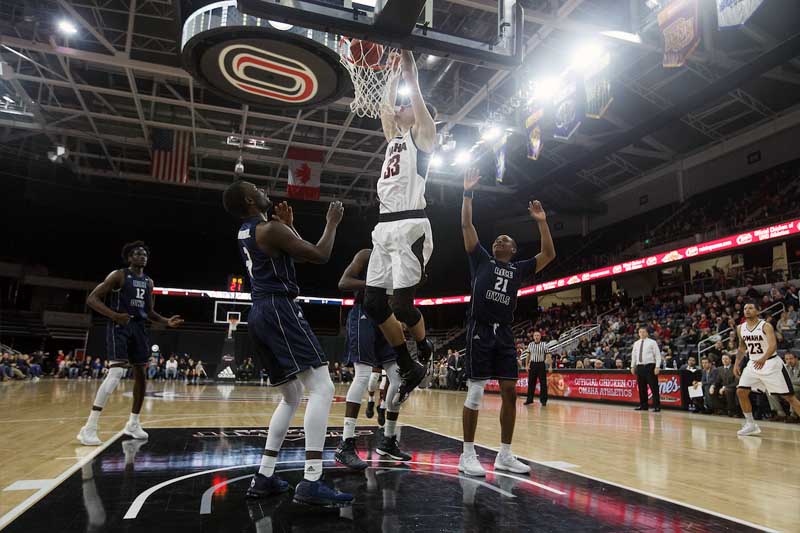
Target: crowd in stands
column 176, row 367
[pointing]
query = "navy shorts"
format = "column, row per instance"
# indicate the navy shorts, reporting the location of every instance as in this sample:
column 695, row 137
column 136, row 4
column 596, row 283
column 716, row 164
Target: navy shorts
column 491, row 352
column 365, row 342
column 128, row 343
column 284, row 341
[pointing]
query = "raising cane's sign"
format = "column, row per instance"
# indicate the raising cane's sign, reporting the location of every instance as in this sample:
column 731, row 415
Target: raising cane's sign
column 600, row 386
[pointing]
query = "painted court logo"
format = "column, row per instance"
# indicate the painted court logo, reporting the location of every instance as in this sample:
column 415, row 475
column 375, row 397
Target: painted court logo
column 270, row 75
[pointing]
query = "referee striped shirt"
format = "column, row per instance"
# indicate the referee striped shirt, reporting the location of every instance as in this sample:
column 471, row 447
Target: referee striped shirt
column 537, row 352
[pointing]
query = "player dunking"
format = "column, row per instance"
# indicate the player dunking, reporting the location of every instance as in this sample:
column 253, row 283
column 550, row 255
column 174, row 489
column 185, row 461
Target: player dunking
column 402, row 240
column 765, row 371
column 367, row 348
column 491, row 352
column 288, row 349
column 127, row 344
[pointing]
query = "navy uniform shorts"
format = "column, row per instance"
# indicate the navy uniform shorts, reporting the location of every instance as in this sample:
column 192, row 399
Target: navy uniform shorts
column 128, row 343
column 365, row 342
column 284, row 341
column 491, row 352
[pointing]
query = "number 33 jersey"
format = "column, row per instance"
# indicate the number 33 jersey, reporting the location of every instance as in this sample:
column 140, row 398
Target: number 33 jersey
column 401, row 186
column 495, row 285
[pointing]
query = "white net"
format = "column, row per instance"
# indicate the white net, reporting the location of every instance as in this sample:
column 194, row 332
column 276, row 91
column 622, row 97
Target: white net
column 372, row 67
column 233, row 323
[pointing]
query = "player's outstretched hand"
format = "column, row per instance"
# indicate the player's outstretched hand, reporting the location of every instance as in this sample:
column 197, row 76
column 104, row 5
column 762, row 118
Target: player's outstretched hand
column 408, row 66
column 283, row 213
column 471, row 178
column 536, row 211
column 335, row 213
column 174, row 321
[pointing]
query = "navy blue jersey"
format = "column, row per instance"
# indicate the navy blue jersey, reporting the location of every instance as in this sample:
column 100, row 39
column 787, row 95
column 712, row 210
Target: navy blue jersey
column 495, row 285
column 134, row 297
column 268, row 275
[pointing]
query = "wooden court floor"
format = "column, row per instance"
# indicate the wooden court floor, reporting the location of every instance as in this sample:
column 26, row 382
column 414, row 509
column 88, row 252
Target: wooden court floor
column 691, row 459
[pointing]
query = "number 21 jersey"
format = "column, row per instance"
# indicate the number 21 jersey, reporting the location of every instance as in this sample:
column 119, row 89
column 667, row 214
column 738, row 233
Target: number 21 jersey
column 401, row 186
column 495, row 285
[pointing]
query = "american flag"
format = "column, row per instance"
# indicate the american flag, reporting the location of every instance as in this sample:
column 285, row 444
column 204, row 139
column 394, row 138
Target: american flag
column 171, row 155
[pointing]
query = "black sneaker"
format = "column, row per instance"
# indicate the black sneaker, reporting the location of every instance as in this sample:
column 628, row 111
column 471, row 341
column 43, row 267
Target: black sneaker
column 263, row 486
column 381, row 416
column 321, row 494
column 410, row 380
column 347, row 455
column 389, row 448
column 370, row 409
column 424, row 351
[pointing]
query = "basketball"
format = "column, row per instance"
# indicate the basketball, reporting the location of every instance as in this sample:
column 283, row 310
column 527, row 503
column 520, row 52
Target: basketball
column 365, row 54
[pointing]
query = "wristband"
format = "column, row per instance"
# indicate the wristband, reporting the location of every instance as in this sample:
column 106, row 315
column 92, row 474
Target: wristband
column 469, row 194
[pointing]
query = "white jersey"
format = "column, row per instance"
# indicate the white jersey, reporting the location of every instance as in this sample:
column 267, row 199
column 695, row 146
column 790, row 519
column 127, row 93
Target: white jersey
column 755, row 340
column 401, row 186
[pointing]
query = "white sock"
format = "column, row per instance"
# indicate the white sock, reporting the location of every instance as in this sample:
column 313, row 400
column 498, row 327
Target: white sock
column 391, row 428
column 505, row 449
column 134, row 418
column 383, row 404
column 748, row 417
column 349, row 427
column 469, row 448
column 313, row 470
column 94, row 416
column 267, row 465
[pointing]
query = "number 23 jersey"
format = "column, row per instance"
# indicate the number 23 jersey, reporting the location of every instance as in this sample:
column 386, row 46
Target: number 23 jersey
column 495, row 285
column 401, row 186
column 755, row 340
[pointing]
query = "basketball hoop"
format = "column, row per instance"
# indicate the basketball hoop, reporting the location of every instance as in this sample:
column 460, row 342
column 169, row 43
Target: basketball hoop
column 233, row 323
column 372, row 67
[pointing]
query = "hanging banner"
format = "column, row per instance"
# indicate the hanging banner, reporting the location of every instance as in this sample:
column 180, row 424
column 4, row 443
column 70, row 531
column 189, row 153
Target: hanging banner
column 680, row 25
column 569, row 105
column 534, row 128
column 733, row 13
column 499, row 149
column 597, row 83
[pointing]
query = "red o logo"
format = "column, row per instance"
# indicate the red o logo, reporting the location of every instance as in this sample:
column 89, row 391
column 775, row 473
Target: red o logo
column 252, row 70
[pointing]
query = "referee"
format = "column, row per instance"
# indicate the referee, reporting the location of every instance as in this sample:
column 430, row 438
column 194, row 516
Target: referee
column 537, row 353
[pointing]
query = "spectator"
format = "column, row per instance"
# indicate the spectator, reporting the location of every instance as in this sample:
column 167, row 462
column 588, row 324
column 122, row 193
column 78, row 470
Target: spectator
column 152, row 367
column 669, row 362
column 726, row 386
column 618, row 365
column 598, row 364
column 200, row 371
column 86, row 367
column 452, row 370
column 190, row 371
column 776, row 403
column 579, row 364
column 182, row 367
column 247, row 370
column 73, row 368
column 97, row 368
column 709, row 378
column 172, row 368
column 786, row 324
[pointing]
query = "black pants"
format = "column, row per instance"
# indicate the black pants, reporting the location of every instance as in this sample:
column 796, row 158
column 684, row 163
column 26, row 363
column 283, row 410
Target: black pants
column 646, row 376
column 537, row 371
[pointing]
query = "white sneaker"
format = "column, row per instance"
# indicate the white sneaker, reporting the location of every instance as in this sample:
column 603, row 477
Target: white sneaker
column 135, row 431
column 750, row 428
column 88, row 436
column 469, row 464
column 510, row 463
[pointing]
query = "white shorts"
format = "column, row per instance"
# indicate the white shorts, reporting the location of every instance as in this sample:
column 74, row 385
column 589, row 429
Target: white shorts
column 772, row 377
column 400, row 251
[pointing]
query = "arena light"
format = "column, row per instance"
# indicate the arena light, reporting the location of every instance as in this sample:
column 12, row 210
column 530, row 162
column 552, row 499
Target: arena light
column 280, row 25
column 436, row 161
column 66, row 27
column 491, row 132
column 404, row 90
column 463, row 157
column 545, row 88
column 586, row 55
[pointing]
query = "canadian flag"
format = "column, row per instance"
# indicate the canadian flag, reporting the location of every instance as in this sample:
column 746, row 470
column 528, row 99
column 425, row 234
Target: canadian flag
column 305, row 167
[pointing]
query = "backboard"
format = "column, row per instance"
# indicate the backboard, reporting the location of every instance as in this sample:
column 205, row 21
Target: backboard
column 224, row 310
column 481, row 33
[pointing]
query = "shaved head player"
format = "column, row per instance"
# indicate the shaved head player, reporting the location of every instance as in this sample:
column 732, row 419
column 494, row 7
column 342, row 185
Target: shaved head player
column 131, row 304
column 289, row 351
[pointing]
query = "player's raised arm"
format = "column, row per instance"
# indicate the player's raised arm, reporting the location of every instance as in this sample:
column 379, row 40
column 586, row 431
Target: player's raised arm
column 471, row 179
column 350, row 280
column 173, row 321
column 424, row 129
column 388, row 121
column 548, row 250
column 279, row 236
column 95, row 299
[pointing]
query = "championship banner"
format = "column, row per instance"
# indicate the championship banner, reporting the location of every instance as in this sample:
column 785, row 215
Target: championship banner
column 733, row 13
column 597, row 84
column 680, row 25
column 534, row 129
column 569, row 105
column 499, row 149
column 305, row 167
column 601, row 385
